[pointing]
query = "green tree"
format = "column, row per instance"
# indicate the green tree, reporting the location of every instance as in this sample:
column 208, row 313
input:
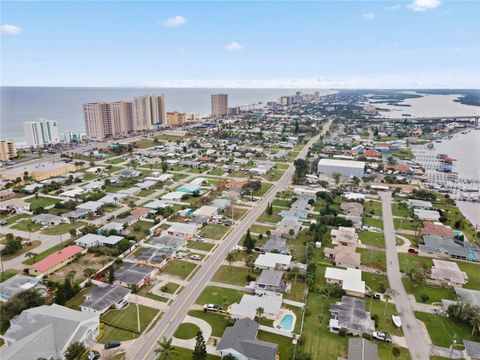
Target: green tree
column 270, row 209
column 89, row 272
column 231, row 257
column 75, row 351
column 164, row 167
column 249, row 242
column 73, row 233
column 165, row 350
column 396, row 351
column 111, row 275
column 17, row 303
column 200, row 349
column 259, row 313
column 336, row 176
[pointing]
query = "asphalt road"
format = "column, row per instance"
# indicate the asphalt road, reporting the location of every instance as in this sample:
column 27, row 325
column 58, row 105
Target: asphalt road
column 170, row 321
column 414, row 335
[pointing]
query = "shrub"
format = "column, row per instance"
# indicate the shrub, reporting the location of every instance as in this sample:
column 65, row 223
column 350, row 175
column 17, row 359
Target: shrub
column 424, row 298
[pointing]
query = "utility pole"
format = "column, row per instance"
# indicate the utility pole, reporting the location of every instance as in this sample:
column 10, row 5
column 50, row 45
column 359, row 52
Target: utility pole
column 138, row 314
column 453, row 345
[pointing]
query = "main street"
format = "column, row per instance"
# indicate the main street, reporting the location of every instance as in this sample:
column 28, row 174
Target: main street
column 416, row 340
column 170, row 321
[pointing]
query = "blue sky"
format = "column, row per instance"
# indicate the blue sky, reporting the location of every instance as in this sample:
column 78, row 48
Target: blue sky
column 322, row 44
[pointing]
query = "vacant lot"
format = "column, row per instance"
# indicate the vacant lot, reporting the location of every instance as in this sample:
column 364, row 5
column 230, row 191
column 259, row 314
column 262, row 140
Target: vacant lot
column 180, row 268
column 41, row 202
column 214, row 231
column 231, row 275
column 219, row 296
column 203, row 246
column 126, row 319
column 89, row 260
column 373, row 208
column 27, row 225
column 371, row 238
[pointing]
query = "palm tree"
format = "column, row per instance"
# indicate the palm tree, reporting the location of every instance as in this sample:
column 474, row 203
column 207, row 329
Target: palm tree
column 30, row 228
column 295, row 272
column 249, row 263
column 231, row 257
column 165, row 350
column 475, row 322
column 386, row 297
column 260, row 311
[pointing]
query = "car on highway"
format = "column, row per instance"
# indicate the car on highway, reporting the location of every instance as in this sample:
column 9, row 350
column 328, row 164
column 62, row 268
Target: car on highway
column 196, row 257
column 211, row 307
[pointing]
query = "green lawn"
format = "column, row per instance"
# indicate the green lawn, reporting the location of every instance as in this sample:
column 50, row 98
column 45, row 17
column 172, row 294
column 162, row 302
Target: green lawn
column 218, row 321
column 297, row 292
column 385, row 322
column 179, row 268
column 285, row 346
column 274, row 218
column 373, row 258
column 406, row 224
column 385, row 352
column 443, row 330
column 24, row 226
column 231, row 275
column 263, row 190
column 214, row 231
column 217, row 172
column 115, row 160
column 373, row 222
column 145, row 192
column 63, row 228
column 371, row 238
column 170, row 288
column 401, row 210
column 186, row 331
column 410, row 262
column 126, row 319
column 140, row 229
column 44, row 254
column 78, row 299
column 282, row 202
column 109, row 333
column 41, row 202
column 183, row 353
column 261, row 229
column 5, row 275
column 373, row 208
column 203, row 246
column 473, row 271
column 219, row 296
column 10, row 220
column 375, row 281
column 435, row 293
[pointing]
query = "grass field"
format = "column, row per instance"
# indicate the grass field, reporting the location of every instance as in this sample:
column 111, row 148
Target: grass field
column 110, row 333
column 442, row 330
column 217, row 172
column 170, row 288
column 24, row 225
column 371, row 238
column 435, row 293
column 115, row 160
column 373, row 208
column 63, row 228
column 406, row 224
column 126, row 319
column 214, row 231
column 219, row 296
column 41, row 202
column 179, row 268
column 203, row 246
column 285, row 346
column 374, row 259
column 401, row 210
column 263, row 190
column 274, row 218
column 261, row 229
column 186, row 331
column 297, row 291
column 375, row 281
column 373, row 222
column 231, row 275
column 11, row 219
column 182, row 353
column 218, row 321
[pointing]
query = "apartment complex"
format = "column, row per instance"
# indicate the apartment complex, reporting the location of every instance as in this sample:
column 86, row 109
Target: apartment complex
column 149, row 110
column 8, row 150
column 219, row 105
column 116, row 119
column 176, row 118
column 42, row 132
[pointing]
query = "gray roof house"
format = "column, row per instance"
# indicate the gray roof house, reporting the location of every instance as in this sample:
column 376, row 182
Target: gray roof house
column 16, row 284
column 443, row 247
column 362, row 349
column 472, row 350
column 101, row 299
column 240, row 340
column 48, row 330
column 276, row 244
column 169, row 242
column 134, row 274
column 350, row 314
column 270, row 281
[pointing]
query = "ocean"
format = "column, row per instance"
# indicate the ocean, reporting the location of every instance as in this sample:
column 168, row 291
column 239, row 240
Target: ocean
column 64, row 104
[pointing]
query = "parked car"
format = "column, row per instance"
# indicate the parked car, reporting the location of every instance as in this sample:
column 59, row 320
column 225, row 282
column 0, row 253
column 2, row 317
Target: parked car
column 379, row 335
column 200, row 239
column 377, row 296
column 94, row 355
column 196, row 257
column 179, row 255
column 211, row 307
column 413, row 251
column 388, row 338
column 112, row 344
column 111, row 217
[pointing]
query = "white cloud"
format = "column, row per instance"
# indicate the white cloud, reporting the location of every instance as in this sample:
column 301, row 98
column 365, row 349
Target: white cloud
column 368, row 16
column 423, row 5
column 392, row 7
column 175, row 21
column 8, row 29
column 233, row 46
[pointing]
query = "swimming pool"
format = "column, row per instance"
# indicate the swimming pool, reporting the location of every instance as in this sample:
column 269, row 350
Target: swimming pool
column 288, row 321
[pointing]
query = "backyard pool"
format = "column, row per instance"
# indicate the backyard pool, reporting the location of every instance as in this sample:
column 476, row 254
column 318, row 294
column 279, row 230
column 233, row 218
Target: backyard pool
column 288, row 322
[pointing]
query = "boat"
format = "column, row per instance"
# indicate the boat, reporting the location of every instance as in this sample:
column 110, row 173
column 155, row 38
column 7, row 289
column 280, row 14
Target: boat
column 396, row 320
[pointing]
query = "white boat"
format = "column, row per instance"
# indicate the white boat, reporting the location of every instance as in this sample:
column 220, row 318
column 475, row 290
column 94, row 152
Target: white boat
column 396, row 320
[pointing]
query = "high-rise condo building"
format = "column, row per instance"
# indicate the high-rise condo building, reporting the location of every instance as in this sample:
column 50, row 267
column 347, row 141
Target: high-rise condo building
column 176, row 118
column 149, row 110
column 8, row 150
column 42, row 132
column 108, row 119
column 219, row 105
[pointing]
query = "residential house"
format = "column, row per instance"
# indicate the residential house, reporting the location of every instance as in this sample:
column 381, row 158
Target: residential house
column 269, row 283
column 349, row 279
column 102, row 298
column 49, row 219
column 89, row 240
column 248, row 305
column 343, row 256
column 273, row 261
column 350, row 314
column 55, row 261
column 448, row 273
column 187, row 231
column 130, row 274
column 16, row 284
column 344, row 236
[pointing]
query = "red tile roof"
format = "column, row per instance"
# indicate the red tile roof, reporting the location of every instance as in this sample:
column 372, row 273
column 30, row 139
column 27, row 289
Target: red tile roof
column 430, row 228
column 56, row 258
column 371, row 153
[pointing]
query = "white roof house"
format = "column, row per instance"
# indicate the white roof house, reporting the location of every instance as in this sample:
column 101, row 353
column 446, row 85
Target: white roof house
column 173, row 196
column 350, row 279
column 431, row 215
column 47, row 331
column 89, row 240
column 273, row 261
column 180, row 229
column 90, row 205
column 112, row 198
column 248, row 305
column 206, row 211
column 448, row 272
column 157, row 204
column 72, row 193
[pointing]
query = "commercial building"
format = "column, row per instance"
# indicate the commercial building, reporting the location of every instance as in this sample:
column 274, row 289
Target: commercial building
column 219, row 105
column 176, row 118
column 41, row 133
column 149, row 110
column 108, row 119
column 345, row 168
column 40, row 171
column 8, row 150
